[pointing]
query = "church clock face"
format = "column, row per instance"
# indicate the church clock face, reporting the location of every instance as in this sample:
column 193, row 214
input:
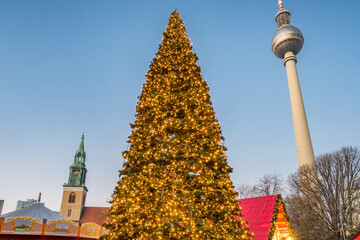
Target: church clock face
column 76, row 172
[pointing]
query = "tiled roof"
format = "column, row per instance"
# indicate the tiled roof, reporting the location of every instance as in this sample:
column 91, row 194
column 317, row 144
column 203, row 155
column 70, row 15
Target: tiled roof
column 258, row 212
column 96, row 215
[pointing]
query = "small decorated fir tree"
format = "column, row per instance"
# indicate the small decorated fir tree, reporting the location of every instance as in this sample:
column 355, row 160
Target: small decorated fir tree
column 175, row 183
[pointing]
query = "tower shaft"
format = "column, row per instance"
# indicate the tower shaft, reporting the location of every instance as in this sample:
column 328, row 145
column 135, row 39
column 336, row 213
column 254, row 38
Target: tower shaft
column 304, row 147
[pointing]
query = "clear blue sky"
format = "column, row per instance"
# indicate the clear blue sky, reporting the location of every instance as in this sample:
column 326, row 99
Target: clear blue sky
column 72, row 66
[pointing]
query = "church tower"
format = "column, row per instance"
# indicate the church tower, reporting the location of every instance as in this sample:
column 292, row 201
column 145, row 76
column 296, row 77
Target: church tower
column 74, row 192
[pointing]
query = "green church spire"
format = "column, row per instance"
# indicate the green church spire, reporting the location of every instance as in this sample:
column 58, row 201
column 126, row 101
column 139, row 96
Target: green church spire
column 78, row 170
column 80, row 154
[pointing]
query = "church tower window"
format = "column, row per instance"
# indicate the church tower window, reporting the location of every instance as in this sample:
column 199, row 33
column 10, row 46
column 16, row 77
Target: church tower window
column 72, row 197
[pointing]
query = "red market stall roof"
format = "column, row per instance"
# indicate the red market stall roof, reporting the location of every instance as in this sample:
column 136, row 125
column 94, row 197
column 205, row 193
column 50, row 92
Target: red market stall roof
column 266, row 217
column 358, row 237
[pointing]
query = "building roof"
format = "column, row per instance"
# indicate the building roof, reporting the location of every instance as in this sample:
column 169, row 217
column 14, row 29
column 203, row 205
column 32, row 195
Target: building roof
column 258, row 212
column 358, row 237
column 36, row 211
column 266, row 216
column 96, row 215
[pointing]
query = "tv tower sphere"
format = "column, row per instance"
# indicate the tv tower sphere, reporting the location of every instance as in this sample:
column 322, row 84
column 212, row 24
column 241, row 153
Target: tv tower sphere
column 287, row 38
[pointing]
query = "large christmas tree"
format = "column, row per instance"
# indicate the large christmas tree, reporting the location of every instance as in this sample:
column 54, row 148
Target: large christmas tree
column 175, row 181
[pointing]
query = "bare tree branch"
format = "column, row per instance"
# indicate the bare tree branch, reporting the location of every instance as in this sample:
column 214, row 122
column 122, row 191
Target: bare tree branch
column 324, row 203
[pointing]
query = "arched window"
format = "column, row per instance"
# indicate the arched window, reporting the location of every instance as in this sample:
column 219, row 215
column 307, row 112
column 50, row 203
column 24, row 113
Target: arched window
column 72, row 197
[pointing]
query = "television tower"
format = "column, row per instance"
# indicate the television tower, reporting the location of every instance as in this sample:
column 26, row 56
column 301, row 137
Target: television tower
column 286, row 43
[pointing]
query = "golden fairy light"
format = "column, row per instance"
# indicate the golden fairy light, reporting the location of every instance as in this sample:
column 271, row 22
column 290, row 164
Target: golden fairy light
column 175, row 181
